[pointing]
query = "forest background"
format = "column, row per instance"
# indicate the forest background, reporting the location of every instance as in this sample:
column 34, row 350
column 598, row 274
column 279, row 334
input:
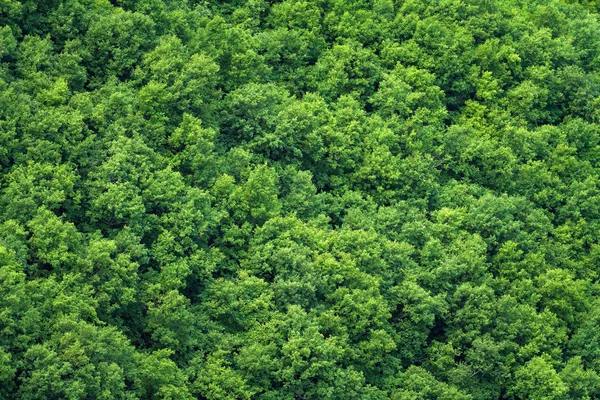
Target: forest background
column 299, row 199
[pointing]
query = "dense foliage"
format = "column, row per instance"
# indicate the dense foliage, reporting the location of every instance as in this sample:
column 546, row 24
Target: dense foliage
column 299, row 199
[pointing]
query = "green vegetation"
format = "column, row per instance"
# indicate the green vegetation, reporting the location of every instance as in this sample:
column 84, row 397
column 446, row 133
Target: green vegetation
column 299, row 199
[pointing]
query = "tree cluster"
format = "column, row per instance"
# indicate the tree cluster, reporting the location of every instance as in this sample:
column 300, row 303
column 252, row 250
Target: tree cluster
column 299, row 199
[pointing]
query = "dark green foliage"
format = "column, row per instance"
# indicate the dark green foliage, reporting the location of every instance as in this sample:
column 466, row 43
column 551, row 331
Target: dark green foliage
column 299, row 199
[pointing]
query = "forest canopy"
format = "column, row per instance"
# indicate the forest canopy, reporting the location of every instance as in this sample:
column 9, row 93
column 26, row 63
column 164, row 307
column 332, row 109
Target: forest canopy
column 299, row 199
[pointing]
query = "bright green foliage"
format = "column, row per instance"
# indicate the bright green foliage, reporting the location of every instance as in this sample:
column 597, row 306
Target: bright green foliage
column 299, row 199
